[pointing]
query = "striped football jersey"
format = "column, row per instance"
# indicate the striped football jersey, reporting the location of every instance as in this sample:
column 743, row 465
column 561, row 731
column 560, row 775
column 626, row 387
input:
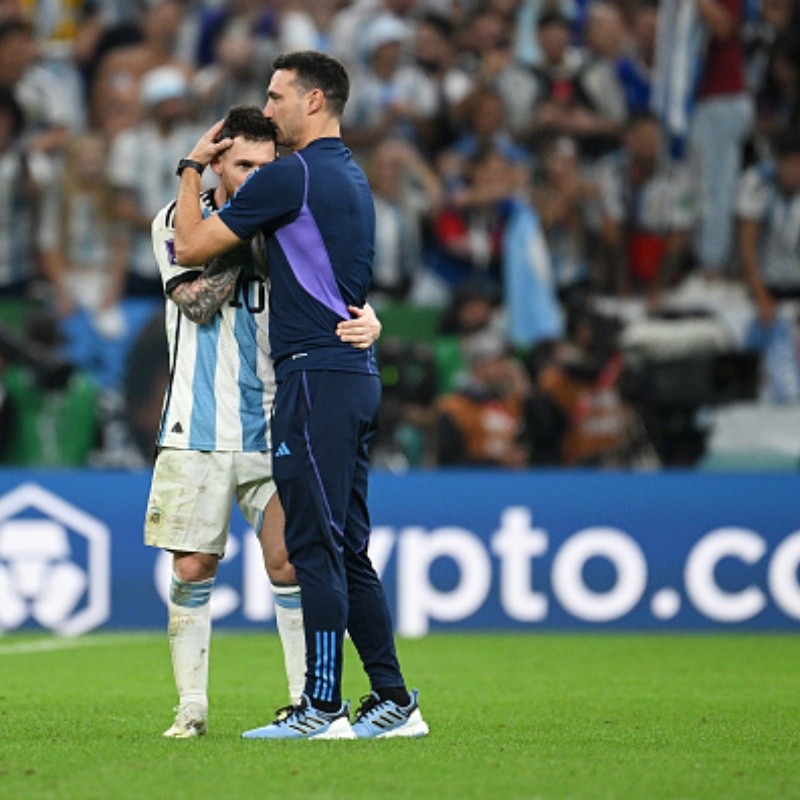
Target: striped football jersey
column 221, row 383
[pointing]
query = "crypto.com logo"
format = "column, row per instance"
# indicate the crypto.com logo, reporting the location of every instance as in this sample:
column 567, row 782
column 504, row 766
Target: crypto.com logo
column 44, row 576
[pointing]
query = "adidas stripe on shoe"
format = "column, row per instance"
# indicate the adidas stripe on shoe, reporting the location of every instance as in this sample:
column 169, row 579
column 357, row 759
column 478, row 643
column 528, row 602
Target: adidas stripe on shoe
column 303, row 721
column 382, row 719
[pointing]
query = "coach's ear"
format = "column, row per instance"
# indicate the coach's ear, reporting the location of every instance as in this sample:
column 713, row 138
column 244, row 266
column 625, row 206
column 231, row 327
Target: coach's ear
column 315, row 101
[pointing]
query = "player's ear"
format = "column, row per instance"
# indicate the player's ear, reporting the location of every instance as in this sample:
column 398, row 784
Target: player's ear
column 216, row 165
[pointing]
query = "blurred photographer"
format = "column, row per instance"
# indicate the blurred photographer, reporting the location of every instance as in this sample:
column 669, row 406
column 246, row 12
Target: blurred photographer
column 482, row 422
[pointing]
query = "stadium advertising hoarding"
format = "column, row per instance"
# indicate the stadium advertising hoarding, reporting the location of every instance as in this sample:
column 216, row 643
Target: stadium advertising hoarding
column 457, row 550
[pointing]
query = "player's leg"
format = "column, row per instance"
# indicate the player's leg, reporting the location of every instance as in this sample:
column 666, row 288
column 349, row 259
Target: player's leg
column 193, row 525
column 288, row 598
column 261, row 506
column 189, row 632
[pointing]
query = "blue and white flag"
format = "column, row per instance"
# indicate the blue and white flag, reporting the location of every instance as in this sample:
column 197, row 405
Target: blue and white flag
column 534, row 313
column 680, row 49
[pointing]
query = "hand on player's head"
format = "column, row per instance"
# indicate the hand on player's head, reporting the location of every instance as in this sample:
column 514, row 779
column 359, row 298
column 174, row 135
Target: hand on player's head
column 208, row 147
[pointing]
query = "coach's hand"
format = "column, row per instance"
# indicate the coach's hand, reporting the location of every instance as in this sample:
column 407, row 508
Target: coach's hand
column 207, row 147
column 362, row 330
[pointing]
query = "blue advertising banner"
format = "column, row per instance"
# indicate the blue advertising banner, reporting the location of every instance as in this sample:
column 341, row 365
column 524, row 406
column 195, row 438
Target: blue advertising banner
column 457, row 550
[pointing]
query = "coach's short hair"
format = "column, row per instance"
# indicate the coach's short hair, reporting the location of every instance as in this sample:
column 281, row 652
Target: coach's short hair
column 248, row 122
column 318, row 71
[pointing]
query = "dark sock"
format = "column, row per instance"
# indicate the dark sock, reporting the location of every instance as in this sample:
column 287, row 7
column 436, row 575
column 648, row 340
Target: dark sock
column 397, row 694
column 326, row 706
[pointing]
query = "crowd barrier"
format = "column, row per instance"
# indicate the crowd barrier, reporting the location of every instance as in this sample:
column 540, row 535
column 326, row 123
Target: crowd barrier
column 457, row 550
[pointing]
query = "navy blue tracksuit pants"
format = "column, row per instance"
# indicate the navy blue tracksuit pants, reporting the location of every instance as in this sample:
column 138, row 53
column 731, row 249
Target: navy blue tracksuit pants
column 321, row 427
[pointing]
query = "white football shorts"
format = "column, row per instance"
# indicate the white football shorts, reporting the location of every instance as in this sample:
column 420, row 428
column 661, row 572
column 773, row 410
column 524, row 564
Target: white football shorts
column 192, row 495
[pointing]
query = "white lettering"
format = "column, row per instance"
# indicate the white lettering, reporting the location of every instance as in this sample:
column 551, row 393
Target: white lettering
column 418, row 601
column 517, row 544
column 626, row 557
column 782, row 575
column 701, row 584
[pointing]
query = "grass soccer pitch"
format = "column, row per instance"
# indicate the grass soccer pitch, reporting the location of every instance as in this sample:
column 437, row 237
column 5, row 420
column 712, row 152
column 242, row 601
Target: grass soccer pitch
column 511, row 716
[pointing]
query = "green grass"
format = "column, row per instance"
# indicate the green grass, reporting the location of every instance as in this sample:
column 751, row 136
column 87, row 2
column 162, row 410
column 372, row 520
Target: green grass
column 511, row 716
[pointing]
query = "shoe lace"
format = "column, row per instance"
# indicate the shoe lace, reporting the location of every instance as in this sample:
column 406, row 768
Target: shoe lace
column 285, row 713
column 367, row 704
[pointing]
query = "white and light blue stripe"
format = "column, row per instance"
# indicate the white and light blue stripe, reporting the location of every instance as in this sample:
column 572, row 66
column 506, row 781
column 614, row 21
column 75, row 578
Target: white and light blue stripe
column 222, row 382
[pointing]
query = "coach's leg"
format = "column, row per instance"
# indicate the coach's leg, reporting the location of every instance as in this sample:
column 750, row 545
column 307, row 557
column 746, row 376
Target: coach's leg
column 369, row 620
column 389, row 710
column 287, row 595
column 307, row 428
column 189, row 633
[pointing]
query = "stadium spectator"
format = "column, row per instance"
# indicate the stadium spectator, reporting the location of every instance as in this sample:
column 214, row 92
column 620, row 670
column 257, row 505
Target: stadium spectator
column 769, row 227
column 260, row 20
column 469, row 228
column 440, row 84
column 778, row 98
column 483, row 127
column 488, row 60
column 606, row 36
column 28, row 206
column 306, row 25
column 471, row 308
column 565, row 198
column 141, row 169
column 322, row 480
column 635, row 65
column 407, row 193
column 351, row 26
column 236, row 74
column 89, row 265
column 49, row 111
column 159, row 28
column 701, row 94
column 774, row 19
column 383, row 102
column 564, row 104
column 721, row 121
column 482, row 421
column 647, row 211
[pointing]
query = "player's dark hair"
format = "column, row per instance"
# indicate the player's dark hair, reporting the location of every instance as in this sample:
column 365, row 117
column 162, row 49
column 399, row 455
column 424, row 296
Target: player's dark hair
column 248, row 122
column 318, row 71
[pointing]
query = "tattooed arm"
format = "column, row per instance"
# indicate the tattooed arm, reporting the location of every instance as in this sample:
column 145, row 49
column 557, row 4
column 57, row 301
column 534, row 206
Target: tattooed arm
column 201, row 298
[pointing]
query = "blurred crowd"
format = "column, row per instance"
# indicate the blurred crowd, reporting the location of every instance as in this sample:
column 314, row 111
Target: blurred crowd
column 588, row 214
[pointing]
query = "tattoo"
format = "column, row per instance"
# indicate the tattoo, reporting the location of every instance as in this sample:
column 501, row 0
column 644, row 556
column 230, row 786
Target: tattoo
column 201, row 298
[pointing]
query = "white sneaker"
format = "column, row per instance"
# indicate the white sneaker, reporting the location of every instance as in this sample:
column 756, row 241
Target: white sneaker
column 190, row 722
column 382, row 719
column 303, row 721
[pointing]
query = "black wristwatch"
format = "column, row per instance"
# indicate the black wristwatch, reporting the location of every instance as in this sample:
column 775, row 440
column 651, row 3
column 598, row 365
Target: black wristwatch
column 188, row 162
